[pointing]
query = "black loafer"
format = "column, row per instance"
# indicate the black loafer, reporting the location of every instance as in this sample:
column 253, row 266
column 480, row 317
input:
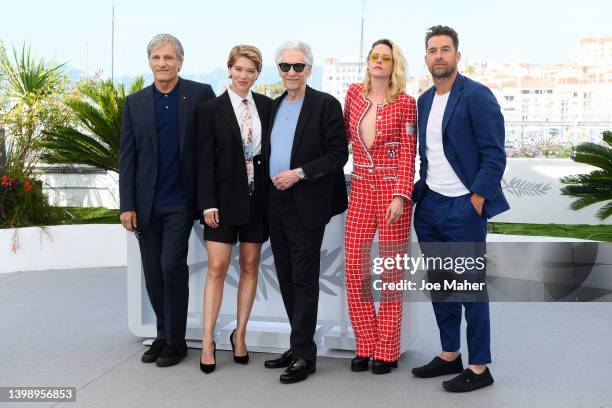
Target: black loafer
column 298, row 371
column 468, row 381
column 171, row 355
column 359, row 364
column 283, row 361
column 439, row 366
column 153, row 352
column 383, row 367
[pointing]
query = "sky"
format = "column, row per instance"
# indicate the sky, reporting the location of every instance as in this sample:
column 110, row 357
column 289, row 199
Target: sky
column 79, row 32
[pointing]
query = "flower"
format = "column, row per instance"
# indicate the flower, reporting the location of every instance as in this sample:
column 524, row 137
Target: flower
column 7, row 181
column 27, row 186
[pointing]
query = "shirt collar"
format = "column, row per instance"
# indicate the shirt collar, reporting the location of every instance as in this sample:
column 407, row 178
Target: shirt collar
column 236, row 99
column 173, row 92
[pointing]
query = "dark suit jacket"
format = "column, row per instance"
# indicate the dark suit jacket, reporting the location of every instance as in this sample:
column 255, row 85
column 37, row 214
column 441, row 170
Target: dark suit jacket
column 320, row 148
column 473, row 141
column 139, row 149
column 222, row 181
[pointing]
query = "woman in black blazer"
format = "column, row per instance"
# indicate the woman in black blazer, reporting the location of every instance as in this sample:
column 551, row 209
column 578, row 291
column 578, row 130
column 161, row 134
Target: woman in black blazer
column 232, row 193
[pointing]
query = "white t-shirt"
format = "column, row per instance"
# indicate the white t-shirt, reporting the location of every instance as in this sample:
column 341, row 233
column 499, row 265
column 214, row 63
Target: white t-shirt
column 441, row 177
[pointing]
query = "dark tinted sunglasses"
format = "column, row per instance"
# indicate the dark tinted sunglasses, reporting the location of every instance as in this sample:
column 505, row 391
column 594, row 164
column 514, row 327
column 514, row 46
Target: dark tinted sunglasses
column 285, row 67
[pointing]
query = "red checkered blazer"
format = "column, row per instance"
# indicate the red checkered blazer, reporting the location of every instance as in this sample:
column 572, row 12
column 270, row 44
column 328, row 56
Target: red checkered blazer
column 394, row 146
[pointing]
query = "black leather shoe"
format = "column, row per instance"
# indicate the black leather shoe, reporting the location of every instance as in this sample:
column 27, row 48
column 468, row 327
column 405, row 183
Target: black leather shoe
column 283, row 361
column 171, row 355
column 209, row 368
column 439, row 366
column 153, row 352
column 298, row 371
column 383, row 367
column 359, row 364
column 468, row 381
column 238, row 359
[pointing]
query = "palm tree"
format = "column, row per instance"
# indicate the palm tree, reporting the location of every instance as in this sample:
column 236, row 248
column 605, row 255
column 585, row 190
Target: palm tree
column 95, row 139
column 30, row 95
column 596, row 186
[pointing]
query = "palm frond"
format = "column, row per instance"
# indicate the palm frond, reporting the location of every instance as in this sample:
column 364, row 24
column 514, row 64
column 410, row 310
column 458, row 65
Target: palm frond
column 96, row 137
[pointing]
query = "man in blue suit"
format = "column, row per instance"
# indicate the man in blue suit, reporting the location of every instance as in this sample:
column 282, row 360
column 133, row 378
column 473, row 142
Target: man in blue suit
column 157, row 186
column 461, row 148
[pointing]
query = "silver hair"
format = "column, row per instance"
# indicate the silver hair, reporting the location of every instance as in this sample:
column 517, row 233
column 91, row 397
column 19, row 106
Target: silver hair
column 296, row 46
column 161, row 39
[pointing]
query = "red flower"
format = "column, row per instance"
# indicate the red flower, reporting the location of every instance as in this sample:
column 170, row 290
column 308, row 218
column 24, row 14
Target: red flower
column 6, row 181
column 27, row 186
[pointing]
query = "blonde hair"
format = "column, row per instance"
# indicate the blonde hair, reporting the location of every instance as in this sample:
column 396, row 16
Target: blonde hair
column 247, row 51
column 397, row 84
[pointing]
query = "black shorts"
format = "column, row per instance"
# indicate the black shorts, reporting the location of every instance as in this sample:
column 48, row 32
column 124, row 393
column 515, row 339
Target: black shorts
column 254, row 231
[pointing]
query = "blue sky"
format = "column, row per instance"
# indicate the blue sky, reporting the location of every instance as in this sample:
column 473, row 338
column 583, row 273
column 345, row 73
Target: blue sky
column 538, row 31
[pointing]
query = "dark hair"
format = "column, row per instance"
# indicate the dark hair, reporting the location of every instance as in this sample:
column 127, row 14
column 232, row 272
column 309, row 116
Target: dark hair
column 442, row 30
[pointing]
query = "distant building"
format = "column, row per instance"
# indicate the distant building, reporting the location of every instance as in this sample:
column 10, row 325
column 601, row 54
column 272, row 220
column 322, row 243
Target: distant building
column 338, row 74
column 565, row 103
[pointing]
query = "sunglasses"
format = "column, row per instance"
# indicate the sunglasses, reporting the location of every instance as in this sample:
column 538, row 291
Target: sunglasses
column 386, row 58
column 286, row 67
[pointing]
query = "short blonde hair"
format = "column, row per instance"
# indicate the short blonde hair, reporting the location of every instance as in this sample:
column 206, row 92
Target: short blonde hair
column 397, row 84
column 247, row 51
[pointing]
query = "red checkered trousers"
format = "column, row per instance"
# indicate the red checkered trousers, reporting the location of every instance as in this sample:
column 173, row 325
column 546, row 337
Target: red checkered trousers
column 380, row 173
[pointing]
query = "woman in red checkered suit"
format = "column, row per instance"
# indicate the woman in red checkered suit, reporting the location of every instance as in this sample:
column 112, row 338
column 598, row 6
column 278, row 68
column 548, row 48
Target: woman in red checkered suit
column 380, row 121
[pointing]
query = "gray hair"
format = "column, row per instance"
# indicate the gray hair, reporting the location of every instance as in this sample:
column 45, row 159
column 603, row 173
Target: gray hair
column 160, row 40
column 296, row 46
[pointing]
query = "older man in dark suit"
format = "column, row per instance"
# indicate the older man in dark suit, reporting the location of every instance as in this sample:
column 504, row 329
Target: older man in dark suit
column 304, row 155
column 157, row 189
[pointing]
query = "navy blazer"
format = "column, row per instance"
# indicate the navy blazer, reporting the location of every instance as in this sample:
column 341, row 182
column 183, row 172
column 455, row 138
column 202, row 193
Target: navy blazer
column 139, row 150
column 473, row 140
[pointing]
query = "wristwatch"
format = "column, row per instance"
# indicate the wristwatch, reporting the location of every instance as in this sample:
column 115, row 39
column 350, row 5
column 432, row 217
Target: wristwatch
column 300, row 173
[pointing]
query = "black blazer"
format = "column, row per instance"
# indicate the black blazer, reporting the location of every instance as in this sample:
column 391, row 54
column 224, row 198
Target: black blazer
column 222, row 181
column 320, row 148
column 138, row 150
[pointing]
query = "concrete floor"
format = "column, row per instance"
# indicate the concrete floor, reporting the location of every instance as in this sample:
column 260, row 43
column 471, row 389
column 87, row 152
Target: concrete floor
column 69, row 328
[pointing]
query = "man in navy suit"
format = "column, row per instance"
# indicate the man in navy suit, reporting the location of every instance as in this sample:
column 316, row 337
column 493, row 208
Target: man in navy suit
column 461, row 148
column 157, row 189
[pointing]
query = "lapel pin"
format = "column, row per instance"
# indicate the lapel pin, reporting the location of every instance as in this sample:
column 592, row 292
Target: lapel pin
column 184, row 98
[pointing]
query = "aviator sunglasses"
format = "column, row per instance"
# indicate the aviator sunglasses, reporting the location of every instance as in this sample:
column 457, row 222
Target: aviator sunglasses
column 386, row 58
column 298, row 67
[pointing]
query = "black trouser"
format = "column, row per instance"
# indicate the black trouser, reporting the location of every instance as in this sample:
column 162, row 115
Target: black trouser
column 163, row 249
column 297, row 253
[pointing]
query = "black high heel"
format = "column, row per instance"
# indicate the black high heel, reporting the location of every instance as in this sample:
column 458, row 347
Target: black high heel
column 209, row 368
column 238, row 359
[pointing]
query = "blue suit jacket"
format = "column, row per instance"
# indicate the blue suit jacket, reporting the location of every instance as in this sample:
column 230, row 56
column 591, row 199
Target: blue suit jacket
column 473, row 141
column 138, row 150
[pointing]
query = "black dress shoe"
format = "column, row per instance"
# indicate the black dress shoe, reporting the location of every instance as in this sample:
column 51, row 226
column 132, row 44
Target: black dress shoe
column 209, row 368
column 359, row 364
column 153, row 352
column 439, row 366
column 298, row 371
column 171, row 355
column 283, row 361
column 468, row 381
column 238, row 359
column 383, row 367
